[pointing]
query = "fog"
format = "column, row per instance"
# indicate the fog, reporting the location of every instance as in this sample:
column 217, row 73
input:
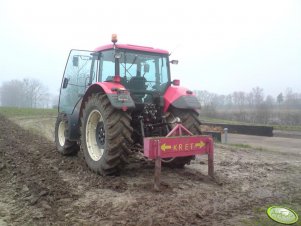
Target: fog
column 222, row 46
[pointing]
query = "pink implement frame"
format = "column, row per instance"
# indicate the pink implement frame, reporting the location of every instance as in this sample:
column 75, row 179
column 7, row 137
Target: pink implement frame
column 179, row 142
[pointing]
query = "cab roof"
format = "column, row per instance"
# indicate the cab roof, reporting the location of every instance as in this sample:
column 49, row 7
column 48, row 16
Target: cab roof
column 131, row 47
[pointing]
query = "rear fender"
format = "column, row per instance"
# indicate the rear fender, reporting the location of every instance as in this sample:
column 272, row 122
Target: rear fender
column 180, row 97
column 113, row 91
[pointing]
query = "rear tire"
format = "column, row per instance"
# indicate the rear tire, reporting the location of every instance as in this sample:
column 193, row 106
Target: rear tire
column 64, row 145
column 105, row 135
column 189, row 119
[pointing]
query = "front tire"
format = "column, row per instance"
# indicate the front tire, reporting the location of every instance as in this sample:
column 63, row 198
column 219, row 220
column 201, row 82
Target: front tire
column 189, row 119
column 105, row 135
column 64, row 145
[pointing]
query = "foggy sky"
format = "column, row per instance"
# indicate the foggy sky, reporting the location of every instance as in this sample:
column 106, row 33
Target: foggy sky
column 222, row 46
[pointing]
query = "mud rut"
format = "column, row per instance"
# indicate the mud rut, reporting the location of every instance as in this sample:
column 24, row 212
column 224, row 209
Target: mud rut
column 39, row 186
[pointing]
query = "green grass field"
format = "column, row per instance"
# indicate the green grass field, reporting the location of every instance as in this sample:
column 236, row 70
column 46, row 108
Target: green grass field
column 27, row 112
column 32, row 112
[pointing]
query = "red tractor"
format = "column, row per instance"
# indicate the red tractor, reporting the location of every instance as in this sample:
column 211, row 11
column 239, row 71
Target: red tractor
column 113, row 97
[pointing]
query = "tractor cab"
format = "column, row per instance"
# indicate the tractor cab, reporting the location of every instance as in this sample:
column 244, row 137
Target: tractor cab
column 143, row 71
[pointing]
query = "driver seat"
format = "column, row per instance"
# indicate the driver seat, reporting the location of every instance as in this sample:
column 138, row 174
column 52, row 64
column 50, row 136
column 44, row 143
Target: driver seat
column 137, row 84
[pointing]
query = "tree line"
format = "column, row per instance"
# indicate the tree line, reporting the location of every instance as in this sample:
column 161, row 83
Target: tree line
column 29, row 93
column 253, row 106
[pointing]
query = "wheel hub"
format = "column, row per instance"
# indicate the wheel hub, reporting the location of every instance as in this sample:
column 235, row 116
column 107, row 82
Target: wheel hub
column 100, row 135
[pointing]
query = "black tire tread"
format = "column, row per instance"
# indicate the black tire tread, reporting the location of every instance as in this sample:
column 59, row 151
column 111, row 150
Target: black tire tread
column 117, row 134
column 70, row 147
column 189, row 119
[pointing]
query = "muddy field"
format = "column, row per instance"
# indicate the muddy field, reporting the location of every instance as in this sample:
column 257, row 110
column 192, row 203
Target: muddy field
column 39, row 186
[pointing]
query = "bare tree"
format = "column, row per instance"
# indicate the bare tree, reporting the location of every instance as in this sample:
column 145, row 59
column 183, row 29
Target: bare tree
column 253, row 107
column 258, row 96
column 292, row 99
column 265, row 110
column 239, row 100
column 280, row 98
column 12, row 94
column 229, row 100
column 36, row 92
column 26, row 93
column 209, row 102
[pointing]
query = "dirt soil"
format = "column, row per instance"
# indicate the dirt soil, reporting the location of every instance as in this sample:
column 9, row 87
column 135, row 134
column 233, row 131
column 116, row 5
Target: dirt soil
column 39, row 186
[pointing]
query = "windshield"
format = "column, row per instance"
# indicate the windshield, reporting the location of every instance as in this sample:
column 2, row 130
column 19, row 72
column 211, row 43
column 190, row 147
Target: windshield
column 139, row 71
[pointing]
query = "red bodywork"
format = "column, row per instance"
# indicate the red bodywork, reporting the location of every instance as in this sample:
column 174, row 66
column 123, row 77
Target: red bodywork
column 131, row 47
column 108, row 87
column 173, row 93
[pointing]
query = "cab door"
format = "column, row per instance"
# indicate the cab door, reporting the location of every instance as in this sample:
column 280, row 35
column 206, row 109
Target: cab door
column 78, row 75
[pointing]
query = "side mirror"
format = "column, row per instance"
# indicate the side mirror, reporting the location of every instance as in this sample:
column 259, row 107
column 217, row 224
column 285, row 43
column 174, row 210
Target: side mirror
column 75, row 61
column 146, row 68
column 65, row 83
column 174, row 62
